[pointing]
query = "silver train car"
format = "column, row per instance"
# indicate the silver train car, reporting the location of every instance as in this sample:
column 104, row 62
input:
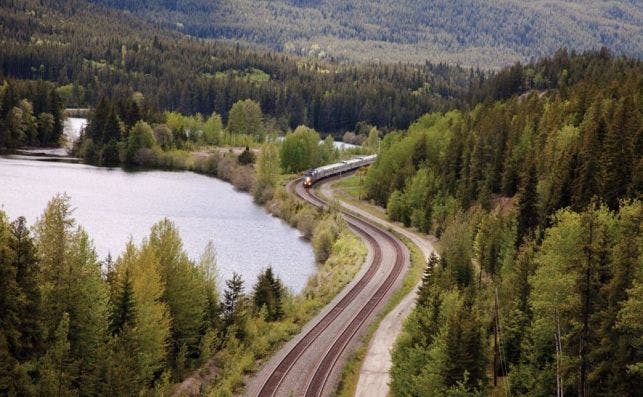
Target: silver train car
column 315, row 174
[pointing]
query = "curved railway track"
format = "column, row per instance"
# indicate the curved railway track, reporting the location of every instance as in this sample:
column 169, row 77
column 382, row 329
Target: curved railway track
column 326, row 365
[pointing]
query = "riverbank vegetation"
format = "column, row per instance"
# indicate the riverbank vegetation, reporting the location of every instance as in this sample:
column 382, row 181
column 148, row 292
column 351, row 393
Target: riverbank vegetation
column 72, row 324
column 535, row 200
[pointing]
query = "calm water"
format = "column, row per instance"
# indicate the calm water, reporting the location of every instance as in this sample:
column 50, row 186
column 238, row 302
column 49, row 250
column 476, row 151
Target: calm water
column 112, row 205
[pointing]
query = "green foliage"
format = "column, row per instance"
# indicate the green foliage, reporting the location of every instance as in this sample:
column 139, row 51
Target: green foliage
column 154, row 315
column 538, row 151
column 300, row 150
column 246, row 118
column 324, row 236
column 233, row 308
column 140, row 139
column 57, row 366
column 184, row 291
column 123, row 314
column 71, row 285
column 267, row 171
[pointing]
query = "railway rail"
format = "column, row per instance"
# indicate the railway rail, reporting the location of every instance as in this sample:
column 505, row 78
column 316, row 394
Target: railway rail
column 327, row 363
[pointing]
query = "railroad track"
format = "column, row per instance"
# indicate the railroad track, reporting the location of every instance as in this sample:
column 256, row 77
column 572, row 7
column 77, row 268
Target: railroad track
column 318, row 383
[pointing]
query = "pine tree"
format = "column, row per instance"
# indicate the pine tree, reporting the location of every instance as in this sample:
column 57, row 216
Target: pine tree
column 122, row 366
column 151, row 333
column 527, row 206
column 615, row 351
column 587, row 182
column 56, row 110
column 464, row 348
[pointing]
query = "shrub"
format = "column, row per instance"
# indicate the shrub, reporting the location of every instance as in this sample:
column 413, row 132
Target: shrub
column 243, row 178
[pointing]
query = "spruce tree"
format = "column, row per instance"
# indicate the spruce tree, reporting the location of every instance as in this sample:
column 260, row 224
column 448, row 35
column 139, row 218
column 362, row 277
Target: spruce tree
column 268, row 294
column 427, row 278
column 123, row 314
column 617, row 152
column 527, row 205
column 232, row 307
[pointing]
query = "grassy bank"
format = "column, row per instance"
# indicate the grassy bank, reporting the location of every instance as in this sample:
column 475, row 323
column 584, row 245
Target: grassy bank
column 340, row 255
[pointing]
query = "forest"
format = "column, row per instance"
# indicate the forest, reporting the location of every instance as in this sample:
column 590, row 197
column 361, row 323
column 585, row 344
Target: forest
column 73, row 324
column 530, row 176
column 90, row 52
column 478, row 33
column 535, row 198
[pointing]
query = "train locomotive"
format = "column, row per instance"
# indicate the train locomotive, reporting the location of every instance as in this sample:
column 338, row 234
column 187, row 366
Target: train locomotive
column 313, row 175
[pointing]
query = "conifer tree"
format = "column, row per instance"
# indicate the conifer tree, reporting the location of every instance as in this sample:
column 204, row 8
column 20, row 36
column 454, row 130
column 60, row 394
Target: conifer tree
column 72, row 285
column 268, row 292
column 57, row 367
column 10, row 304
column 427, row 278
column 618, row 152
column 27, row 273
column 527, row 206
column 233, row 306
column 123, row 314
column 183, row 293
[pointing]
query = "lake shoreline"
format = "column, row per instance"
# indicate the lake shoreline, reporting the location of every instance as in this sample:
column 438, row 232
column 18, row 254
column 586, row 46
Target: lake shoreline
column 273, row 256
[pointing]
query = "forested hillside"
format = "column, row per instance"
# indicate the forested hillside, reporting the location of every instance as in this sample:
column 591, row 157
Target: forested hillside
column 535, row 198
column 91, row 51
column 469, row 32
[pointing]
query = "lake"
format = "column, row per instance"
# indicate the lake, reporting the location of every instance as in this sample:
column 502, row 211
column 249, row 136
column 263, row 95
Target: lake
column 112, row 205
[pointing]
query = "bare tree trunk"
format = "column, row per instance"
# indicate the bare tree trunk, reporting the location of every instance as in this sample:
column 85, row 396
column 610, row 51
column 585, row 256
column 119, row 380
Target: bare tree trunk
column 495, row 341
column 582, row 387
column 559, row 348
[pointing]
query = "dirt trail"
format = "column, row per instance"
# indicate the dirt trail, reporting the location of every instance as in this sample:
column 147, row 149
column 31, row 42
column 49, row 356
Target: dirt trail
column 374, row 377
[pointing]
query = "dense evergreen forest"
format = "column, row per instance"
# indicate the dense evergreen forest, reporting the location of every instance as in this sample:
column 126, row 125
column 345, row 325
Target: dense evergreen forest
column 536, row 200
column 485, row 33
column 90, row 52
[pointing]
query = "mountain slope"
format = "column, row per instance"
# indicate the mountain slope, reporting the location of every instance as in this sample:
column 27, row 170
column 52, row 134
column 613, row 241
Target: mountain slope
column 469, row 32
column 95, row 51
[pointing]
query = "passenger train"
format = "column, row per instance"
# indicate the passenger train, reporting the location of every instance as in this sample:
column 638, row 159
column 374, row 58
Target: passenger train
column 315, row 174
